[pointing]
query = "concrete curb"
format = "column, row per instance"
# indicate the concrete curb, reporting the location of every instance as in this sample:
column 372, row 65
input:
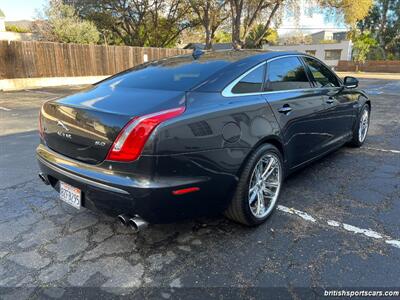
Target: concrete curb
column 27, row 83
column 389, row 76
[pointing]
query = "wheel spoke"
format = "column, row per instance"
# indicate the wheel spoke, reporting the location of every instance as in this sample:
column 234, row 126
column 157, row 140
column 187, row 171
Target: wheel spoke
column 272, row 184
column 271, row 161
column 253, row 197
column 260, row 201
column 258, row 172
column 268, row 174
column 268, row 192
column 251, row 190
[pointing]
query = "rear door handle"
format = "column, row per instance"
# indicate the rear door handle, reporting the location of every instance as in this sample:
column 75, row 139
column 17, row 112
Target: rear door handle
column 285, row 109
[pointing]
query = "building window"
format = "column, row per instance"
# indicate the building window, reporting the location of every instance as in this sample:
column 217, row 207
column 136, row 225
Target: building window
column 311, row 52
column 333, row 54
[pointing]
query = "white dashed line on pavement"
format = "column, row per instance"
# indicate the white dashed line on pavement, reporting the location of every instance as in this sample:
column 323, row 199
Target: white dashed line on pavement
column 299, row 213
column 366, row 232
column 383, row 150
column 350, row 228
column 4, row 108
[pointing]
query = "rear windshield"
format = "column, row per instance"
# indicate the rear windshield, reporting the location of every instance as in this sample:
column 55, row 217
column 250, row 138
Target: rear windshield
column 178, row 74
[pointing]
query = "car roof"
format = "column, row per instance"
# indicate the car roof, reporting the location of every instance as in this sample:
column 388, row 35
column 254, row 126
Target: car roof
column 224, row 65
column 240, row 61
column 235, row 55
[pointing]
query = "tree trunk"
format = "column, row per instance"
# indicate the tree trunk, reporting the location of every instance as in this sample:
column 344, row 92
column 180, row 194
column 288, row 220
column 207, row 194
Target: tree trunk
column 236, row 15
column 236, row 42
column 208, row 45
column 266, row 27
column 382, row 26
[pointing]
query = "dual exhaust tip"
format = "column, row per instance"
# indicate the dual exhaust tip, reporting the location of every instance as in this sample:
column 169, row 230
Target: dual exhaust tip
column 136, row 223
column 44, row 178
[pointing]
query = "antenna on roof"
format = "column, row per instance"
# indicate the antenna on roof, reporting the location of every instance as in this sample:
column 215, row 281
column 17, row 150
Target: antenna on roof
column 197, row 53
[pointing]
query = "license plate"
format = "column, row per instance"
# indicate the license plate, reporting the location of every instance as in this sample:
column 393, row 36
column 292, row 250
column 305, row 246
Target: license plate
column 70, row 195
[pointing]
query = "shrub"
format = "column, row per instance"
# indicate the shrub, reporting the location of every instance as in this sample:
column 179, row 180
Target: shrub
column 63, row 25
column 15, row 28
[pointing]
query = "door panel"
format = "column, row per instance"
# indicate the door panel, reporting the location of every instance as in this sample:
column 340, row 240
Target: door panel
column 302, row 133
column 339, row 113
column 298, row 108
column 338, row 102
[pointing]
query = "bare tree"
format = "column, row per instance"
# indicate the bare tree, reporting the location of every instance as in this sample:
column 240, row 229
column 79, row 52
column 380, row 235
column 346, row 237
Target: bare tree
column 156, row 23
column 168, row 20
column 275, row 6
column 211, row 14
column 245, row 13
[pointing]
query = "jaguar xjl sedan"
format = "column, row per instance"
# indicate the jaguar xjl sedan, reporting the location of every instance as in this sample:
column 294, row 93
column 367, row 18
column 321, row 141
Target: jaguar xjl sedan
column 199, row 134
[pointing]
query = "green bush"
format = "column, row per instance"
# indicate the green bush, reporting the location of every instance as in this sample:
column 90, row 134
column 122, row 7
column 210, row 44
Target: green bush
column 15, row 28
column 67, row 27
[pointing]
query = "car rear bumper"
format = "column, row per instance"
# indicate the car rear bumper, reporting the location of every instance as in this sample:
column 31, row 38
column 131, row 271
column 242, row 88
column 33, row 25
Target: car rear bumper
column 113, row 193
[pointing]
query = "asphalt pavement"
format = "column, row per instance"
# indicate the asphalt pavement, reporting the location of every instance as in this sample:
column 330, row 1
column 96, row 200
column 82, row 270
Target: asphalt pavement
column 337, row 226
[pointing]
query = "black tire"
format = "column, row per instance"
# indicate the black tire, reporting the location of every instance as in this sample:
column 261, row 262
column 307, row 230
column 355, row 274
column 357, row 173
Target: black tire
column 239, row 208
column 356, row 141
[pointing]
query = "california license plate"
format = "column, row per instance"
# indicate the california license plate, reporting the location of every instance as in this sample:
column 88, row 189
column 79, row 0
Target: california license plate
column 70, row 195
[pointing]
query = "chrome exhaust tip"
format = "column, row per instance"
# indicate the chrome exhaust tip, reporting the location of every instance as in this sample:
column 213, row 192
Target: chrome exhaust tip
column 137, row 223
column 124, row 219
column 44, row 178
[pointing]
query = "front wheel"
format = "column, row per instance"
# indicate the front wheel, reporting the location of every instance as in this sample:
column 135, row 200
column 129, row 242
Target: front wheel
column 360, row 131
column 258, row 188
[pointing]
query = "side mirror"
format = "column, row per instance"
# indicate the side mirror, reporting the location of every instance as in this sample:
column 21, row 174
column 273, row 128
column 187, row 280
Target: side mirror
column 350, row 82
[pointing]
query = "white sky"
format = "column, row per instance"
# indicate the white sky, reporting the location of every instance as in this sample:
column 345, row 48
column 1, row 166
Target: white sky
column 310, row 20
column 26, row 10
column 20, row 9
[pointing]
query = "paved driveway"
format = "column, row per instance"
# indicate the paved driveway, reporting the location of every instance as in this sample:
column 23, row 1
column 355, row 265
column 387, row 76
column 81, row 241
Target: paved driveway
column 337, row 225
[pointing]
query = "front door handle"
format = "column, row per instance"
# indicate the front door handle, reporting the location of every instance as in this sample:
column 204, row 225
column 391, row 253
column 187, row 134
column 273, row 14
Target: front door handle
column 330, row 100
column 285, row 109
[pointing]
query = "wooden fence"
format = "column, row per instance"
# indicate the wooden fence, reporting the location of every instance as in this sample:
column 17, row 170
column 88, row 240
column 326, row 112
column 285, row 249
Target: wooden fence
column 385, row 66
column 43, row 59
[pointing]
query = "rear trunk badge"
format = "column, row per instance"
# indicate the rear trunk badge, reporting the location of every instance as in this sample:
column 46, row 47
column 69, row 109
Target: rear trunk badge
column 61, row 124
column 63, row 134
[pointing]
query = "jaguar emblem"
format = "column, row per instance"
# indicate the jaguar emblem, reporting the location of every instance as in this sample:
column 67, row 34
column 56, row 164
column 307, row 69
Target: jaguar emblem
column 61, row 133
column 61, row 124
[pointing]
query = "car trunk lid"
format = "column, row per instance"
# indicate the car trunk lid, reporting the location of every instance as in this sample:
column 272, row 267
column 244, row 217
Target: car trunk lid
column 84, row 126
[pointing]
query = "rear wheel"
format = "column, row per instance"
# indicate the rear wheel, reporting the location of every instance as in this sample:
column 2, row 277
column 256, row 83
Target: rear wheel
column 361, row 130
column 258, row 188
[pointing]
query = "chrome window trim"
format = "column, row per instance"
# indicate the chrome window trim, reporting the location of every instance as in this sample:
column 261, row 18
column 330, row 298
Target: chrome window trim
column 227, row 91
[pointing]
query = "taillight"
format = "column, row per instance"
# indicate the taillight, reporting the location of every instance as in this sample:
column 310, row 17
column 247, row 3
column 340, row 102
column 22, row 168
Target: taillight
column 130, row 142
column 41, row 134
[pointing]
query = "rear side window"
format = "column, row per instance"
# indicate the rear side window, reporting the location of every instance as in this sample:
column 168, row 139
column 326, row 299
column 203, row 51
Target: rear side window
column 176, row 75
column 251, row 83
column 322, row 75
column 286, row 74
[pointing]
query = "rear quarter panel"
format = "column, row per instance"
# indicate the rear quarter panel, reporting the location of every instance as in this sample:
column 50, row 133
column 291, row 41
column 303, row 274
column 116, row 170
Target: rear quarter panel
column 211, row 122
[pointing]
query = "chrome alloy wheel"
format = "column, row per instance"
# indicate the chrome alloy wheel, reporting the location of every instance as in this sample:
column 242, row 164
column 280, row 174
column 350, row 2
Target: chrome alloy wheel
column 363, row 128
column 265, row 184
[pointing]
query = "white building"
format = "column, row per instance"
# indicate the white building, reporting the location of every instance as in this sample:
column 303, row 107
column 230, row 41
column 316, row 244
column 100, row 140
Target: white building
column 13, row 36
column 328, row 53
column 2, row 21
